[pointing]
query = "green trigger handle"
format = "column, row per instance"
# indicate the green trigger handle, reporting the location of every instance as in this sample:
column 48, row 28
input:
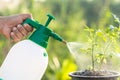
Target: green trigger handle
column 32, row 23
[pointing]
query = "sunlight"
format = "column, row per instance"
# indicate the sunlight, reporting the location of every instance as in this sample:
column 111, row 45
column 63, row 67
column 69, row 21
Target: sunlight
column 10, row 4
column 40, row 0
column 117, row 0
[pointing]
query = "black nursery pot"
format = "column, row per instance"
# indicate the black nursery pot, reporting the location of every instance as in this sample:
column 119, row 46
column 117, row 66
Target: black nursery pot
column 77, row 76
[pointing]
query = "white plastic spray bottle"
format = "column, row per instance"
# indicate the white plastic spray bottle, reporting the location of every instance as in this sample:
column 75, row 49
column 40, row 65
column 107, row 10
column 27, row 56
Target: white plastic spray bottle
column 28, row 59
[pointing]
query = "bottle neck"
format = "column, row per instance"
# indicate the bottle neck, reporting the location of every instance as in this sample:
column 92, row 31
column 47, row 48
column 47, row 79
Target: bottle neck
column 41, row 36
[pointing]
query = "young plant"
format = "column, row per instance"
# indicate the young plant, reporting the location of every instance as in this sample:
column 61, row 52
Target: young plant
column 103, row 44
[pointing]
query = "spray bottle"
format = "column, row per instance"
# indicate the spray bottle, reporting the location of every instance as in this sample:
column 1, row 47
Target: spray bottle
column 28, row 59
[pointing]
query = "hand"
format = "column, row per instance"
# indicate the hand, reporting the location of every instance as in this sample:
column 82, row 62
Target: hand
column 10, row 26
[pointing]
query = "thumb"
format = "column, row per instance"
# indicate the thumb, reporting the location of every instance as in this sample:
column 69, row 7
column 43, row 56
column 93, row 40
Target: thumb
column 24, row 16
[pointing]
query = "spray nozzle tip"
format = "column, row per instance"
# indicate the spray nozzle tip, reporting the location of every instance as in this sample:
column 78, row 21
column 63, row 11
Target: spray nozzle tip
column 65, row 42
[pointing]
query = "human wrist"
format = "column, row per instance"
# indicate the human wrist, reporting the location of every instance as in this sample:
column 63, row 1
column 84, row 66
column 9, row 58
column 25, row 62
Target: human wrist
column 1, row 24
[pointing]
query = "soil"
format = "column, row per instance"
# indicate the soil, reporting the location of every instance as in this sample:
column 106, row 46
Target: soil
column 94, row 73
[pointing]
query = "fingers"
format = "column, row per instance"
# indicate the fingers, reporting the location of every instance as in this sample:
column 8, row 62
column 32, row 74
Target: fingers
column 21, row 29
column 14, row 37
column 20, row 32
column 17, row 33
column 28, row 28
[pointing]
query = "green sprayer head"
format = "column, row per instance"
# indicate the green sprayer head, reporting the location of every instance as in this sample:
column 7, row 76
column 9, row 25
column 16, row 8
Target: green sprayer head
column 42, row 33
column 1, row 79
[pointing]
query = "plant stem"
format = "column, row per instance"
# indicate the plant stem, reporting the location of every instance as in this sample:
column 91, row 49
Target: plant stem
column 92, row 51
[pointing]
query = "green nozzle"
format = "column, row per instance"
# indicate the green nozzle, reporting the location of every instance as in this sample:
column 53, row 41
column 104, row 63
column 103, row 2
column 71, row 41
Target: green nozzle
column 57, row 37
column 50, row 17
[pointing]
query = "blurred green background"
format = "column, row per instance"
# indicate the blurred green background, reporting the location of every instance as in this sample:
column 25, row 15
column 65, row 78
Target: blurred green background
column 71, row 18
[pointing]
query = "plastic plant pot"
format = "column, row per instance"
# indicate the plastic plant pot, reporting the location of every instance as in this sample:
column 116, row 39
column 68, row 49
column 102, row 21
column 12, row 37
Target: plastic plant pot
column 78, row 76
